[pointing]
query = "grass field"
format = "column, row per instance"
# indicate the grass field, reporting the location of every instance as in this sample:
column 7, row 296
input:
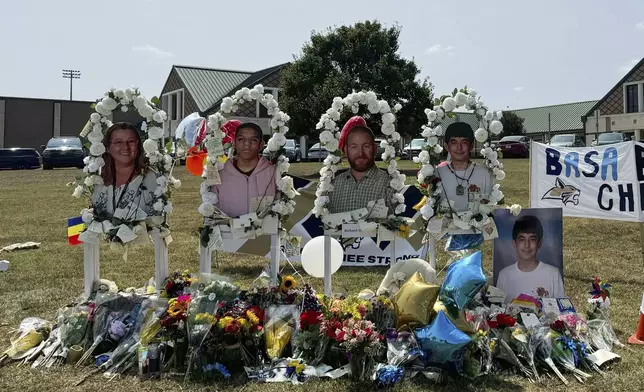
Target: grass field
column 35, row 204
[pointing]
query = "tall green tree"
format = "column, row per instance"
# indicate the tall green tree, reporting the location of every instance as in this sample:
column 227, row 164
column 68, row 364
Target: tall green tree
column 512, row 124
column 354, row 58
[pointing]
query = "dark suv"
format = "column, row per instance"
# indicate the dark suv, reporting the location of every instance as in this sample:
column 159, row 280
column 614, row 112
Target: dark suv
column 291, row 150
column 63, row 152
column 19, row 158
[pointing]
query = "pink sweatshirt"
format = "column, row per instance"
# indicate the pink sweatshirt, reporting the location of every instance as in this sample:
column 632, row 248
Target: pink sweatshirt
column 237, row 190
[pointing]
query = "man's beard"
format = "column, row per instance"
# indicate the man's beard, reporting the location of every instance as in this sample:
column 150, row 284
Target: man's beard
column 362, row 167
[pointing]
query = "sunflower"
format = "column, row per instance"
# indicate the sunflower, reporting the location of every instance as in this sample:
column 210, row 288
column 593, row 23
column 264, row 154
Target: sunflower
column 252, row 317
column 288, row 283
column 176, row 308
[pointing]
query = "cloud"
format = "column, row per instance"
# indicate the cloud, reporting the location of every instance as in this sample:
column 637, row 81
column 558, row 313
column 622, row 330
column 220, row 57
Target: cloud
column 640, row 26
column 627, row 66
column 518, row 88
column 439, row 48
column 152, row 50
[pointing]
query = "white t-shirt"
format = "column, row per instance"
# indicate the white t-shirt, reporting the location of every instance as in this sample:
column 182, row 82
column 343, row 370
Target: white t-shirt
column 544, row 281
column 478, row 187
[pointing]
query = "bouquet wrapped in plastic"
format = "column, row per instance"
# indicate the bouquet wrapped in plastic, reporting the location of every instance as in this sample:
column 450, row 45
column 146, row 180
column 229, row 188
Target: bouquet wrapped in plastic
column 281, row 325
column 31, row 332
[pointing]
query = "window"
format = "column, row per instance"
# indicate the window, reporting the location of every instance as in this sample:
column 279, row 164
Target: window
column 262, row 111
column 172, row 104
column 632, row 104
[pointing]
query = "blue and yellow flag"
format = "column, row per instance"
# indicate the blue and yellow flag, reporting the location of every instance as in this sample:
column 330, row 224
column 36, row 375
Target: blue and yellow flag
column 75, row 226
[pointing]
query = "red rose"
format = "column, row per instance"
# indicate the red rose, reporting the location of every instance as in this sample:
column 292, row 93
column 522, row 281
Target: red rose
column 310, row 317
column 493, row 324
column 505, row 320
column 339, row 336
column 558, row 326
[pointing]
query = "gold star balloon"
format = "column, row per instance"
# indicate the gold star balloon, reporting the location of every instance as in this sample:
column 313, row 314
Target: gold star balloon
column 415, row 300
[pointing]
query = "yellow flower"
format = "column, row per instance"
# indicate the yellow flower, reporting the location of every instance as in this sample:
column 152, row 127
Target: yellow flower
column 224, row 321
column 242, row 322
column 252, row 317
column 288, row 283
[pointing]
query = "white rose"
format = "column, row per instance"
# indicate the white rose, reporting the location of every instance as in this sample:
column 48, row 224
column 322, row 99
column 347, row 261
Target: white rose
column 124, row 108
column 480, row 111
column 398, row 198
column 395, row 136
column 427, row 211
column 397, row 107
column 146, row 111
column 160, row 116
column 489, row 115
column 331, row 145
column 272, row 145
column 500, row 175
column 210, row 198
column 423, row 156
column 373, row 107
column 496, row 127
column 471, row 101
column 175, row 182
column 109, row 103
column 86, row 160
column 97, row 149
column 515, row 209
column 427, row 170
column 153, row 158
column 129, row 93
column 499, row 114
column 439, row 130
column 150, row 146
column 279, row 138
column 384, row 107
column 449, row 104
column 480, row 135
column 119, row 93
column 99, row 161
column 388, row 118
column 95, row 118
column 168, row 208
column 461, row 99
column 438, row 149
column 432, row 141
column 96, row 137
column 158, row 206
column 89, row 181
column 78, row 192
column 439, row 113
column 87, row 216
column 355, row 109
column 102, row 110
column 496, row 195
column 387, row 128
column 431, row 115
column 326, row 136
column 144, row 126
column 420, row 177
column 155, row 133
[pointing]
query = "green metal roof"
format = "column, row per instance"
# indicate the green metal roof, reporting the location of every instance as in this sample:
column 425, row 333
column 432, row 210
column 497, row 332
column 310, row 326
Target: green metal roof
column 554, row 118
column 208, row 85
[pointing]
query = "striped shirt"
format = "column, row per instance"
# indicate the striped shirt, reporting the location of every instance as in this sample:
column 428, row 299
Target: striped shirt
column 349, row 194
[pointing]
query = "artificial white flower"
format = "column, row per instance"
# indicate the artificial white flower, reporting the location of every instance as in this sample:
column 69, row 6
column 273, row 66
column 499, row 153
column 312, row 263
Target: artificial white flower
column 373, row 107
column 86, row 160
column 387, row 128
column 370, row 96
column 210, row 198
column 432, row 141
column 427, row 170
column 78, row 192
column 87, row 215
column 146, row 111
column 89, row 181
column 155, row 133
column 160, row 116
column 439, row 113
column 489, row 115
column 99, row 161
column 515, row 209
column 395, row 136
column 331, row 159
column 431, row 115
column 124, row 108
column 496, row 127
column 331, row 145
column 206, row 209
column 283, row 166
column 438, row 149
column 109, row 103
column 355, row 109
column 480, row 111
column 92, row 167
column 400, row 208
column 95, row 118
column 397, row 107
column 150, row 146
column 423, row 157
column 460, row 98
column 158, row 206
column 285, row 185
column 119, row 93
column 388, row 118
column 398, row 198
column 96, row 136
column 102, row 110
column 153, row 158
column 471, row 102
column 384, row 107
column 438, row 131
column 449, row 104
column 97, row 149
column 139, row 101
column 500, row 175
column 280, row 139
column 480, row 135
column 396, row 184
column 499, row 114
column 168, row 208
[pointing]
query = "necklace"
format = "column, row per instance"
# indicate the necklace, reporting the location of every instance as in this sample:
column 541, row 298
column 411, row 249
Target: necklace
column 460, row 189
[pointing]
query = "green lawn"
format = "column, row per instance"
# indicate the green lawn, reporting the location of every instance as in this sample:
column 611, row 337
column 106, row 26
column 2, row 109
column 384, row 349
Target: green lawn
column 35, row 204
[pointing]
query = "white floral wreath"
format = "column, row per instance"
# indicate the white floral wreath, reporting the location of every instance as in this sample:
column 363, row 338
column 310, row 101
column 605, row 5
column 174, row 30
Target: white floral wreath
column 158, row 160
column 283, row 205
column 428, row 181
column 329, row 138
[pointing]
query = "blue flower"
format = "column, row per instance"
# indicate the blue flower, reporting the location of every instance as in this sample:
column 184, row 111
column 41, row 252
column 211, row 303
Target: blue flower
column 389, row 375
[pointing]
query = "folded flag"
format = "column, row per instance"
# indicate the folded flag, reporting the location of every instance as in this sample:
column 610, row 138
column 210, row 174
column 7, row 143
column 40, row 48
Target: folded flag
column 75, row 226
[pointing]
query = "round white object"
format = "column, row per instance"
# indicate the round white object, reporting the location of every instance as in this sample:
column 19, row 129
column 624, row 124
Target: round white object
column 313, row 256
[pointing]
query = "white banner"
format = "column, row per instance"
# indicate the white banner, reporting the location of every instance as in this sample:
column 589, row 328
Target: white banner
column 603, row 182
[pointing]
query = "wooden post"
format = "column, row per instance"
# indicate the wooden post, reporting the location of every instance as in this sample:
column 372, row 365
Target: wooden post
column 276, row 253
column 90, row 266
column 328, row 291
column 160, row 259
column 205, row 260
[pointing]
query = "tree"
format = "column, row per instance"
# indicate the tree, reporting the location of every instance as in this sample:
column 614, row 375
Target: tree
column 512, row 124
column 348, row 58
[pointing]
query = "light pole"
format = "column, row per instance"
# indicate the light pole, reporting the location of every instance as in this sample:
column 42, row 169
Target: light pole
column 71, row 74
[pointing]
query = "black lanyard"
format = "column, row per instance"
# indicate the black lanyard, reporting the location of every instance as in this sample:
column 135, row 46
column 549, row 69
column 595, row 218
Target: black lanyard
column 115, row 203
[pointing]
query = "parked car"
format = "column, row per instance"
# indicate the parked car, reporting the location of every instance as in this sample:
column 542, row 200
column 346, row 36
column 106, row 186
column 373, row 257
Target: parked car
column 63, row 152
column 610, row 138
column 379, row 150
column 566, row 140
column 515, row 146
column 317, row 153
column 19, row 158
column 292, row 151
column 413, row 149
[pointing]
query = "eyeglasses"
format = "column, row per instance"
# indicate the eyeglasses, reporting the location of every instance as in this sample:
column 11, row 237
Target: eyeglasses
column 243, row 140
column 132, row 143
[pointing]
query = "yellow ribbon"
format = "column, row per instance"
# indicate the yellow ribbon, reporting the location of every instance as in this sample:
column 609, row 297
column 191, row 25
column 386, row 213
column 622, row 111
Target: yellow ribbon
column 420, row 204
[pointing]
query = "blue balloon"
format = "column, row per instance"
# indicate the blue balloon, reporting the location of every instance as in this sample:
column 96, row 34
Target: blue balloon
column 463, row 242
column 463, row 280
column 441, row 340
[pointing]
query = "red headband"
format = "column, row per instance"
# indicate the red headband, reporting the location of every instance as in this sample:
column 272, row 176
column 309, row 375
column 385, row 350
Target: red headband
column 355, row 121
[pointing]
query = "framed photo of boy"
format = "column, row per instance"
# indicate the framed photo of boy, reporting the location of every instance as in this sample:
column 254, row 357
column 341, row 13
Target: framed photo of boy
column 528, row 254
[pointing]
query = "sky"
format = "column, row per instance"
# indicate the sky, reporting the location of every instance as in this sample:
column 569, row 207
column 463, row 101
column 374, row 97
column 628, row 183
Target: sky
column 515, row 53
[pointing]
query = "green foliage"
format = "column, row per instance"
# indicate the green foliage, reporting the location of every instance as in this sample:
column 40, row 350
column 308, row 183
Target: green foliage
column 353, row 58
column 155, row 101
column 512, row 124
